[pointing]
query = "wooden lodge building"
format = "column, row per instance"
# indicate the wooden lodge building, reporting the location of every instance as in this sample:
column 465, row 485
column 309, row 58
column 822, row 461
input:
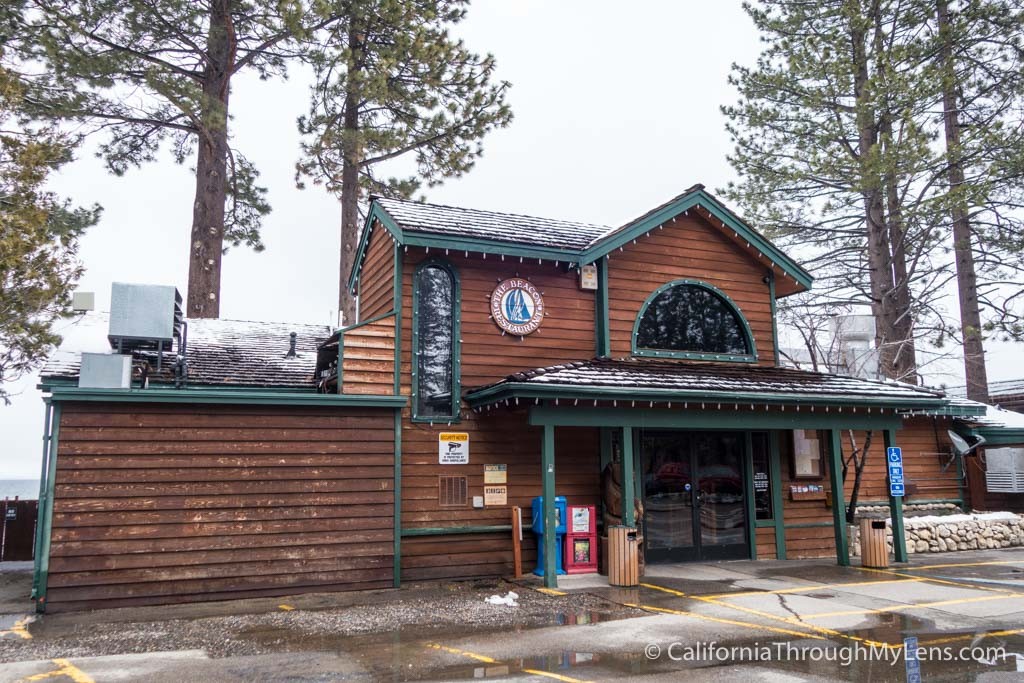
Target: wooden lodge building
column 280, row 459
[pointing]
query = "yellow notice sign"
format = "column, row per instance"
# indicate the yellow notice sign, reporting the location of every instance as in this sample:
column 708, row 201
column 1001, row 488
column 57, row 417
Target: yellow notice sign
column 495, row 474
column 495, row 495
column 453, row 448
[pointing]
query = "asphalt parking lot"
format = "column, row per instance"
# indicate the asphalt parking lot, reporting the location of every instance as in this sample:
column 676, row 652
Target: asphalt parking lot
column 795, row 620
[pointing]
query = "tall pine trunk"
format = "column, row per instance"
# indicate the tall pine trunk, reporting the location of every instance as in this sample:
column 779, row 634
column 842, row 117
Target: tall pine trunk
column 887, row 337
column 967, row 281
column 211, row 168
column 351, row 161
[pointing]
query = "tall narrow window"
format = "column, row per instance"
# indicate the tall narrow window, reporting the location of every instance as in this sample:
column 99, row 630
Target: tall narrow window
column 685, row 319
column 435, row 342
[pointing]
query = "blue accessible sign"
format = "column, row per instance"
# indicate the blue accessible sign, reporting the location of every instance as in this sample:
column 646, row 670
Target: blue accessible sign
column 894, row 459
column 911, row 663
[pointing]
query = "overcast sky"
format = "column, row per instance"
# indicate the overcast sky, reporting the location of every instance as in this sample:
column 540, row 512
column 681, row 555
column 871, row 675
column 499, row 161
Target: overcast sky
column 616, row 110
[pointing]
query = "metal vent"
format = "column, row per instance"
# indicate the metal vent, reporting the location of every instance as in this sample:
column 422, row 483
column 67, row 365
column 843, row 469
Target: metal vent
column 144, row 316
column 452, row 491
column 1004, row 470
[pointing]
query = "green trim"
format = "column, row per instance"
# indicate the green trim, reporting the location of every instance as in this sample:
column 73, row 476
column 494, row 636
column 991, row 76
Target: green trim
column 378, row 213
column 452, row 530
column 748, row 478
column 835, row 475
column 694, row 355
column 899, row 540
column 628, row 487
column 707, row 420
column 396, row 303
column 996, row 436
column 547, row 460
column 341, row 361
column 697, row 198
column 455, row 414
column 368, row 321
column 450, row 243
column 809, row 525
column 764, row 523
column 247, row 397
column 396, row 488
column 775, row 322
column 45, row 518
column 778, row 511
column 601, row 314
column 861, row 405
column 43, row 478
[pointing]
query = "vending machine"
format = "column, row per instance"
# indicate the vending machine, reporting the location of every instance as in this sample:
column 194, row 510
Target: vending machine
column 581, row 540
column 538, row 528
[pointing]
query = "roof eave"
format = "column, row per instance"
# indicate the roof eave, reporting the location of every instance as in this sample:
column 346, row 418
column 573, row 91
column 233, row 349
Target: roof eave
column 381, row 215
column 698, row 197
column 525, row 390
column 231, row 395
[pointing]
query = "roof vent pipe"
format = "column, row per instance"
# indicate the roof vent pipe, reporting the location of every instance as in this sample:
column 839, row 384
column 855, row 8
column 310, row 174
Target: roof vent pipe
column 291, row 348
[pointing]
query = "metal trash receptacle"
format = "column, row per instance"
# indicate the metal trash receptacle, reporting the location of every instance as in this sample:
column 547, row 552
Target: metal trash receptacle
column 623, row 557
column 874, row 553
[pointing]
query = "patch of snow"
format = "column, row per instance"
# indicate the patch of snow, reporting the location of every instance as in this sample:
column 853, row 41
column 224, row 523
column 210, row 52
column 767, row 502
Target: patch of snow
column 954, row 519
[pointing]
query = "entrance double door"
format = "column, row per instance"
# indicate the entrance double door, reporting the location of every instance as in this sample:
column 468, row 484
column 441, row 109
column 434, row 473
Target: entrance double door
column 694, row 496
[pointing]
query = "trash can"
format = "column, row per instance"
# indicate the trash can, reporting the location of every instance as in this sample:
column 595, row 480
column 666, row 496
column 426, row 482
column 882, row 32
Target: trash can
column 874, row 553
column 623, row 557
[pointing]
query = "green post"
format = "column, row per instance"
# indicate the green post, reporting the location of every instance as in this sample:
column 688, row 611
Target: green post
column 42, row 495
column 547, row 460
column 46, row 513
column 835, row 473
column 899, row 540
column 397, row 490
column 628, row 490
column 604, row 343
column 777, row 509
column 748, row 493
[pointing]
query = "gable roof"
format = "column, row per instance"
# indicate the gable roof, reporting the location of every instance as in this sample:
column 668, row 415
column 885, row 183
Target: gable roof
column 490, row 232
column 220, row 352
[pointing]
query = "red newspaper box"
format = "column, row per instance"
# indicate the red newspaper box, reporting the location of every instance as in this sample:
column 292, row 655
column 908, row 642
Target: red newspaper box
column 581, row 540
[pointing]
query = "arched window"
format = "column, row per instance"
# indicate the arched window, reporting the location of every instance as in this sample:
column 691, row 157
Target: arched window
column 435, row 342
column 687, row 319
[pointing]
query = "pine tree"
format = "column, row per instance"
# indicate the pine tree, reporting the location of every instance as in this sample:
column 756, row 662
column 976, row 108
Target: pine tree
column 39, row 234
column 146, row 74
column 393, row 83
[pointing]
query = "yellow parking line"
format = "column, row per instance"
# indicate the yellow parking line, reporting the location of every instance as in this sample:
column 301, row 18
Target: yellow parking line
column 66, row 669
column 733, row 622
column 918, row 605
column 19, row 629
column 490, row 660
column 550, row 591
column 286, row 608
column 961, row 564
column 663, row 589
column 944, row 582
column 818, row 586
column 971, row 636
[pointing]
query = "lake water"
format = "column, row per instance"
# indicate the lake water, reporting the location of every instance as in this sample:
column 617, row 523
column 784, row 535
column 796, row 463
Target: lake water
column 22, row 488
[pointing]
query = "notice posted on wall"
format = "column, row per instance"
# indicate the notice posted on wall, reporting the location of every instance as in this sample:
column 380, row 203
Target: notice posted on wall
column 495, row 495
column 453, row 448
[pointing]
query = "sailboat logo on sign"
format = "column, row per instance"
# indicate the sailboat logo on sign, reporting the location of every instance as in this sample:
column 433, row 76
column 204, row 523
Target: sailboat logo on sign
column 517, row 307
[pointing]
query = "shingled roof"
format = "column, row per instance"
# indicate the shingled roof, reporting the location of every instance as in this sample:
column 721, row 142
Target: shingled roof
column 438, row 219
column 625, row 378
column 237, row 353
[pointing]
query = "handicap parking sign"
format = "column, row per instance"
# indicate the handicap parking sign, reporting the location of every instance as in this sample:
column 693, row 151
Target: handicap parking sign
column 895, row 455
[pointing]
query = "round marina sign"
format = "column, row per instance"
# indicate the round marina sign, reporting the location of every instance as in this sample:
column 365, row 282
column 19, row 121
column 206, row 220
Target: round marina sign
column 517, row 307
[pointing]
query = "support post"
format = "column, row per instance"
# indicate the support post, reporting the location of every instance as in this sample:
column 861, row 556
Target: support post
column 628, row 487
column 899, row 539
column 777, row 509
column 748, row 493
column 835, row 473
column 45, row 519
column 396, row 556
column 42, row 498
column 547, row 459
column 517, row 534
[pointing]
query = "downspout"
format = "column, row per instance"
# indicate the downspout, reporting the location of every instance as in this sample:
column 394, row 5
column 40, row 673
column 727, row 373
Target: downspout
column 38, row 543
column 770, row 279
column 46, row 512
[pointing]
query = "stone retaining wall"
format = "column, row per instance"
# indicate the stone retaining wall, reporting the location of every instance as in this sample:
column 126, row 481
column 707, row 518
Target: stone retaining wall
column 933, row 535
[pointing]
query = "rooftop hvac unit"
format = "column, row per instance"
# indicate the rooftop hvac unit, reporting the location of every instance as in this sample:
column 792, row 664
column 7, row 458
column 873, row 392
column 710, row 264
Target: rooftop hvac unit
column 144, row 317
column 105, row 371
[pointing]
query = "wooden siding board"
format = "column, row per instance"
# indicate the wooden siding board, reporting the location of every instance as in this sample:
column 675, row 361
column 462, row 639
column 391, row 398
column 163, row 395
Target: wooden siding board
column 149, row 510
column 375, row 281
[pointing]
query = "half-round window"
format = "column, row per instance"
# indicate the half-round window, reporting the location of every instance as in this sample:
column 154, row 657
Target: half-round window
column 692, row 320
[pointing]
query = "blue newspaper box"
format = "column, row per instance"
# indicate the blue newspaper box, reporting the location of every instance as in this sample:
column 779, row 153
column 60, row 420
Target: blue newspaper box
column 538, row 528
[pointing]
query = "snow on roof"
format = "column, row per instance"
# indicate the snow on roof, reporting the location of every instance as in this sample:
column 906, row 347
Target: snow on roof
column 220, row 352
column 1009, row 387
column 998, row 418
column 672, row 375
column 490, row 225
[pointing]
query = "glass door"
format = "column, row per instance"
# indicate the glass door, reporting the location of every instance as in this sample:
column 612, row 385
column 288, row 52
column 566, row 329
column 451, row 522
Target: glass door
column 693, row 496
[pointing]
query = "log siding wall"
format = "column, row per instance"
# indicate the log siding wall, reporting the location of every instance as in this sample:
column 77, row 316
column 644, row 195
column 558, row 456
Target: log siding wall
column 159, row 504
column 376, row 281
column 368, row 358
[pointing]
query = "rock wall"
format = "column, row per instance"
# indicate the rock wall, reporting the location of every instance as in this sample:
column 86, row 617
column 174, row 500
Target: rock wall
column 953, row 533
